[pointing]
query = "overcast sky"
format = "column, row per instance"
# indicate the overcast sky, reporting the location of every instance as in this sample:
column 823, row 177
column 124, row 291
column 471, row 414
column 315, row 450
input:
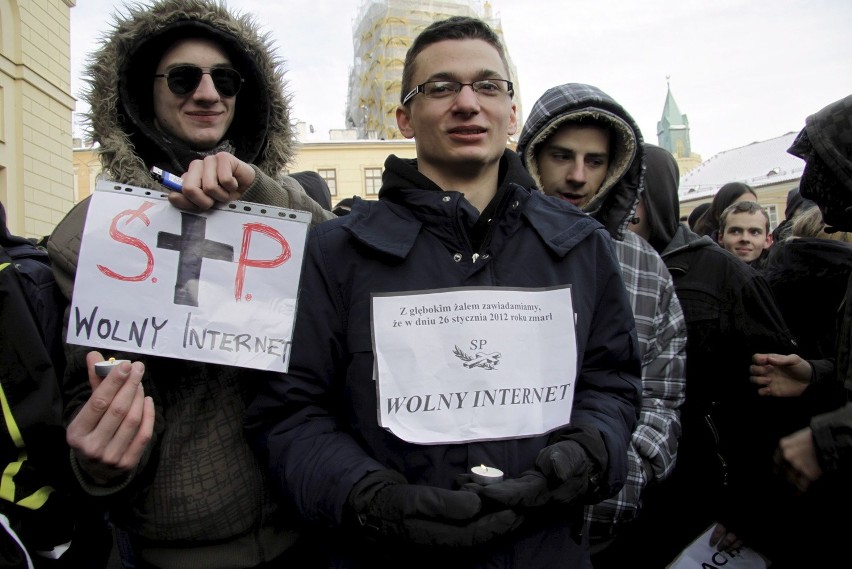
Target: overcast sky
column 741, row 70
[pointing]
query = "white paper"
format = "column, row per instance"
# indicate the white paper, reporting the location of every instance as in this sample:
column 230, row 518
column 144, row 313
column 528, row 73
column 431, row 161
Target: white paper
column 218, row 286
column 701, row 555
column 469, row 364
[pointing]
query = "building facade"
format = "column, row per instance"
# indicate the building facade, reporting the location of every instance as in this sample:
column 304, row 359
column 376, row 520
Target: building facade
column 766, row 166
column 36, row 106
column 383, row 31
column 351, row 167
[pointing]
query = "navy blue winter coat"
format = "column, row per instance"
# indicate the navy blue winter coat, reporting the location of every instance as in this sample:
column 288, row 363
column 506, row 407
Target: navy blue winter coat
column 318, row 426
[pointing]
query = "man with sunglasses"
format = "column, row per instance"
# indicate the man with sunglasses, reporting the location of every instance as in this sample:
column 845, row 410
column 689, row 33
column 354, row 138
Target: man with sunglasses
column 187, row 87
column 398, row 391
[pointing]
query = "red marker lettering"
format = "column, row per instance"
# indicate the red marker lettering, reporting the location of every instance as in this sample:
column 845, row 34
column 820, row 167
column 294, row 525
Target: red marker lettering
column 248, row 230
column 139, row 244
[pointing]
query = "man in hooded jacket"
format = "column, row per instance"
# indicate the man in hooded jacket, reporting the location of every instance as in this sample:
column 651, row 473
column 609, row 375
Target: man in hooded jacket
column 188, row 87
column 724, row 467
column 581, row 145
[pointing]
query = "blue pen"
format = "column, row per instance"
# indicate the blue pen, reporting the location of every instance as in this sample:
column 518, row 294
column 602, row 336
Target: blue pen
column 169, row 180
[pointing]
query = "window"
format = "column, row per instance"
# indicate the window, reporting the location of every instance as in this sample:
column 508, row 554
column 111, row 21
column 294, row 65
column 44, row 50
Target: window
column 772, row 213
column 330, row 177
column 372, row 180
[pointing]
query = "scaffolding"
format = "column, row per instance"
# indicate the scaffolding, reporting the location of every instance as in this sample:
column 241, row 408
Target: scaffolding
column 382, row 33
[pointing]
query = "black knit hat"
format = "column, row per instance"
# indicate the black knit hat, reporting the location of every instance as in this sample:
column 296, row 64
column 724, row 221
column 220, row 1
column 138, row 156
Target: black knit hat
column 795, row 203
column 696, row 213
column 826, row 146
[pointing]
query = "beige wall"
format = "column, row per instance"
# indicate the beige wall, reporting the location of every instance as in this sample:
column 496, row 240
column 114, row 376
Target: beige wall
column 86, row 168
column 350, row 159
column 36, row 175
column 687, row 163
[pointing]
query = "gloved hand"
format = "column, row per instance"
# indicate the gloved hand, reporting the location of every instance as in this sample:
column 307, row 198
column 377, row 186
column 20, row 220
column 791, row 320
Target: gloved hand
column 563, row 476
column 390, row 507
column 567, row 465
column 529, row 490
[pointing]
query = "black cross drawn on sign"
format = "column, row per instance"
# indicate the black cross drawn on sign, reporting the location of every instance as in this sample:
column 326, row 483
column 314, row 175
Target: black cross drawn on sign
column 193, row 248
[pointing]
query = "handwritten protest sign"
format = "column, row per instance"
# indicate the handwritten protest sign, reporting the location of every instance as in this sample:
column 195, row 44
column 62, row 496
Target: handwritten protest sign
column 469, row 364
column 218, row 286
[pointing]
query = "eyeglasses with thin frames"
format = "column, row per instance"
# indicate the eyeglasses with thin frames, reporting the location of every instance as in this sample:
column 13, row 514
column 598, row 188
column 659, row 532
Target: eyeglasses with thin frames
column 450, row 89
column 184, row 79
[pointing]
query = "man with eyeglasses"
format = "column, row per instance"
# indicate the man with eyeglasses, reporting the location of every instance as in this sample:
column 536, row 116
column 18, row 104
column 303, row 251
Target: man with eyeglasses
column 189, row 88
column 465, row 373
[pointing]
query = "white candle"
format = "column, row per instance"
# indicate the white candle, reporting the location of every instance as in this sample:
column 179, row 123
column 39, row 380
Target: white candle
column 486, row 474
column 103, row 368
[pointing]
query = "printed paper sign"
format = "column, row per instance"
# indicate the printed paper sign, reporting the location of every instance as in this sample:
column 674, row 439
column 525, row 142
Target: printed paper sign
column 218, row 286
column 470, row 364
column 701, row 555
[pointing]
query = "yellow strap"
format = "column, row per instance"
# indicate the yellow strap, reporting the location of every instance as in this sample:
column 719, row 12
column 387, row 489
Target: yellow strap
column 37, row 499
column 7, row 480
column 9, row 419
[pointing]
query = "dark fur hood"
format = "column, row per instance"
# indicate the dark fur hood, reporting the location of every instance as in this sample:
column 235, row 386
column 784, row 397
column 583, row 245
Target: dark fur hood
column 120, row 87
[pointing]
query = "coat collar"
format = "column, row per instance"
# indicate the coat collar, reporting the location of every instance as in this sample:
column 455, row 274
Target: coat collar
column 392, row 228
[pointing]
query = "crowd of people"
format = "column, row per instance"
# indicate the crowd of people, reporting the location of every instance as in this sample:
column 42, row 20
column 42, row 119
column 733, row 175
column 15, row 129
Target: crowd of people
column 702, row 367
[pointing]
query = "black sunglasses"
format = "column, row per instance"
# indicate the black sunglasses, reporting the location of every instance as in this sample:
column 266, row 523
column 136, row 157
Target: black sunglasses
column 184, row 79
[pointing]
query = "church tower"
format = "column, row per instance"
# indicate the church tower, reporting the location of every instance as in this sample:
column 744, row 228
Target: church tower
column 673, row 134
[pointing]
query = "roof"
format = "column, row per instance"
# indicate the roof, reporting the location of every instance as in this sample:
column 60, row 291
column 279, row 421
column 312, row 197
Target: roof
column 758, row 164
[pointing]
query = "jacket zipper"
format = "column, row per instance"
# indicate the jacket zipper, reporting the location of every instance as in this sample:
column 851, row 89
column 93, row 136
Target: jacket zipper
column 724, row 464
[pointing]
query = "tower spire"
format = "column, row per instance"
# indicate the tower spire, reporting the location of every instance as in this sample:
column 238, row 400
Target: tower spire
column 673, row 127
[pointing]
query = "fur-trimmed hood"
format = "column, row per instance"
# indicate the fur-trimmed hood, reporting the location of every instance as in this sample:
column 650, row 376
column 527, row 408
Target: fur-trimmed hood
column 615, row 203
column 120, row 89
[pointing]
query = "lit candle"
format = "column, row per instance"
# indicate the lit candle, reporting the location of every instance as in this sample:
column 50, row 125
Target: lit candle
column 486, row 474
column 102, row 369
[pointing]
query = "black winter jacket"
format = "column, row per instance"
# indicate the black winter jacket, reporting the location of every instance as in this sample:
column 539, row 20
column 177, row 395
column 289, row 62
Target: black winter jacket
column 725, row 470
column 319, row 422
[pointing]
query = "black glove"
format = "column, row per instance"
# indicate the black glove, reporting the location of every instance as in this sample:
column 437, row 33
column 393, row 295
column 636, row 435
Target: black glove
column 567, row 465
column 390, row 507
column 563, row 475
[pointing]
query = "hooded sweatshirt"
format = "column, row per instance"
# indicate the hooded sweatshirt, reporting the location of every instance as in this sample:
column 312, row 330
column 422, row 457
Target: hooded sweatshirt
column 660, row 325
column 198, row 497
